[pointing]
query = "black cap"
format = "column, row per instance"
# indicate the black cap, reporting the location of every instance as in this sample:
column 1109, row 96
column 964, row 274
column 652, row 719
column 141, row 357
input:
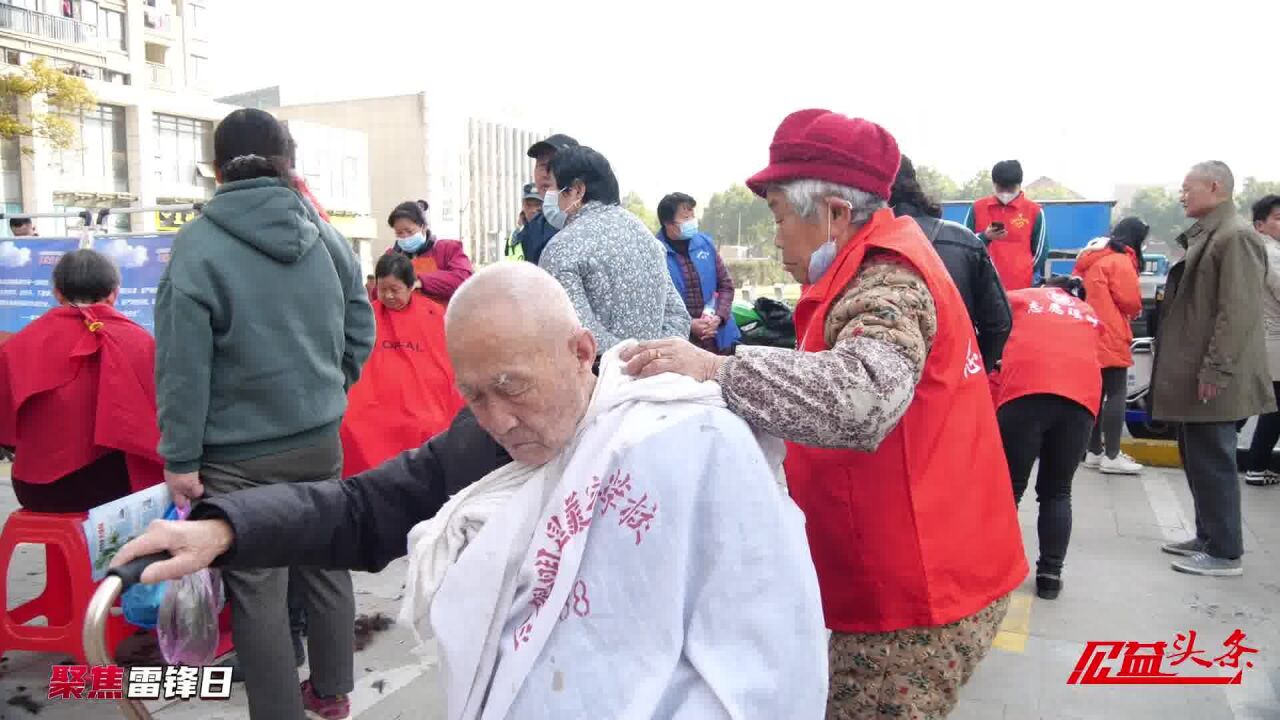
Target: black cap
column 531, row 193
column 554, row 144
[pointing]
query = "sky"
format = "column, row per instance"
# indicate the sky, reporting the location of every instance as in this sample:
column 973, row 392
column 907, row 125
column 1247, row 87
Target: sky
column 686, row 95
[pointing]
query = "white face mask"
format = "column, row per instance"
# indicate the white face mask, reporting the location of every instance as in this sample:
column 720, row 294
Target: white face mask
column 822, row 258
column 1006, row 198
column 551, row 210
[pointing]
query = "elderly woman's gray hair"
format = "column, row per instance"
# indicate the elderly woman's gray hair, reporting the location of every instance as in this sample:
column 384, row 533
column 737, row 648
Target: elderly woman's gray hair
column 808, row 198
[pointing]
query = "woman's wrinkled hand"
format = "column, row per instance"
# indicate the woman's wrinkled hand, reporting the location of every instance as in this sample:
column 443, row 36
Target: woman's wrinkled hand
column 654, row 357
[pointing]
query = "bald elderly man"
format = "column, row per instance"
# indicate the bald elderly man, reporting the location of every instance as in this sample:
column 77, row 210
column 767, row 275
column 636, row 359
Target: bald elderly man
column 637, row 559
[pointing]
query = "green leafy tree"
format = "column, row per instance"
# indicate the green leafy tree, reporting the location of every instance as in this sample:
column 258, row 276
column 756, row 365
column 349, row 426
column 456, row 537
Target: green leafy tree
column 737, row 216
column 1160, row 210
column 1253, row 191
column 1052, row 191
column 936, row 184
column 635, row 204
column 978, row 186
column 63, row 94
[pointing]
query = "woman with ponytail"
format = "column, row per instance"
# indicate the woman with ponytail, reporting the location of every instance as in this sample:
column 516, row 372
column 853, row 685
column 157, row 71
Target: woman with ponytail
column 1047, row 394
column 1109, row 267
column 262, row 324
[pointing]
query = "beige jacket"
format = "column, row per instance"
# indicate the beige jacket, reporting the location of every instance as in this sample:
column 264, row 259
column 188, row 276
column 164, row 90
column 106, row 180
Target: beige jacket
column 1211, row 328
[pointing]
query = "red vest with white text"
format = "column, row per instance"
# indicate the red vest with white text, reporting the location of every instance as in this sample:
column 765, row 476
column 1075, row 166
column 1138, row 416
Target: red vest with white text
column 923, row 531
column 1052, row 350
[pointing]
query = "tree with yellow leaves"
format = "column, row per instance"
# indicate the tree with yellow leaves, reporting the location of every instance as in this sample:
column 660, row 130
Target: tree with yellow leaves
column 63, row 94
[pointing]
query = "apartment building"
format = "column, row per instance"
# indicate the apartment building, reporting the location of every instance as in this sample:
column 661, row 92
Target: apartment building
column 424, row 146
column 150, row 140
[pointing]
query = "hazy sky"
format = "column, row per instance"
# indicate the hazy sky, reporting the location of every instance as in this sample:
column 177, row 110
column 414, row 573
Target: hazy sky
column 685, row 95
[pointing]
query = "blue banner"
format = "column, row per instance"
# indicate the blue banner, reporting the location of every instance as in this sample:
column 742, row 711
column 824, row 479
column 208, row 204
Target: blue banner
column 142, row 260
column 26, row 272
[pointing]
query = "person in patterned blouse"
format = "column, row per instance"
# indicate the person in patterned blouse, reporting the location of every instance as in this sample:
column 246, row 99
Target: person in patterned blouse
column 893, row 449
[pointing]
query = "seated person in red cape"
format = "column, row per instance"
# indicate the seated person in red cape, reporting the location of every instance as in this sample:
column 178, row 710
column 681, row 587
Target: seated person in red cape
column 405, row 394
column 78, row 396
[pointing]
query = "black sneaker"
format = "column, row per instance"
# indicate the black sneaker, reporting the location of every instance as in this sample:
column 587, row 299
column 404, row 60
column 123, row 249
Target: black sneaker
column 1048, row 586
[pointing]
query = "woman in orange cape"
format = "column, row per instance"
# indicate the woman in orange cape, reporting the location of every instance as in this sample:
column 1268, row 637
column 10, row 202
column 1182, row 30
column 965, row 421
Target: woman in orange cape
column 405, row 394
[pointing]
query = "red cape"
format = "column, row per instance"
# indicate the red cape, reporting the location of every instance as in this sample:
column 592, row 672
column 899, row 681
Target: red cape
column 405, row 394
column 76, row 384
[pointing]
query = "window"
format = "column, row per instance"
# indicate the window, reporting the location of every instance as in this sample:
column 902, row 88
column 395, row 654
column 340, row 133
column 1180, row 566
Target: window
column 199, row 22
column 183, row 155
column 199, row 70
column 10, row 163
column 99, row 162
column 111, row 29
column 12, row 57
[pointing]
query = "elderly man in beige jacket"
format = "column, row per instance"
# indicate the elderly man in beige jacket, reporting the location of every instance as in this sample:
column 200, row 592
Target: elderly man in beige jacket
column 1211, row 363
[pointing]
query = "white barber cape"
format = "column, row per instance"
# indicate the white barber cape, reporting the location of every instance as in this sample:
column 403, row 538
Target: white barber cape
column 654, row 569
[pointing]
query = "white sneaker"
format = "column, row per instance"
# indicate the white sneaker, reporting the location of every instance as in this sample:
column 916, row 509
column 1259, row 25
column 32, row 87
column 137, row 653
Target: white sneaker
column 1121, row 465
column 1092, row 461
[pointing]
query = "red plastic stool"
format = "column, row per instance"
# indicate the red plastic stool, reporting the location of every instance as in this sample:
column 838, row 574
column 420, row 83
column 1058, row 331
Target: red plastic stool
column 68, row 587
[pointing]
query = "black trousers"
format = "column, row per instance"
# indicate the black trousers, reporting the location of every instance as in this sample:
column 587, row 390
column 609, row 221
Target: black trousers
column 1055, row 431
column 1209, row 457
column 1265, row 436
column 1110, row 424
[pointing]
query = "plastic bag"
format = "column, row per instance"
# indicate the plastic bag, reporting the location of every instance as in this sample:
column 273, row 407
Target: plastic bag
column 141, row 603
column 187, row 622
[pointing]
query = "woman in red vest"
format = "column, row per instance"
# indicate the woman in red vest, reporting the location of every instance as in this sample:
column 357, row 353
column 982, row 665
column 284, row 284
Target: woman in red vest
column 884, row 401
column 1048, row 391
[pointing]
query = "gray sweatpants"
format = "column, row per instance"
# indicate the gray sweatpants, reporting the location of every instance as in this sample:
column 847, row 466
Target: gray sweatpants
column 1209, row 458
column 259, row 613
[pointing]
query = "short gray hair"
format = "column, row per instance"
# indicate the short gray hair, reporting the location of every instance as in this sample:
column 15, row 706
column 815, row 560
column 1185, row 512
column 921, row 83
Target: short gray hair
column 808, row 197
column 1217, row 171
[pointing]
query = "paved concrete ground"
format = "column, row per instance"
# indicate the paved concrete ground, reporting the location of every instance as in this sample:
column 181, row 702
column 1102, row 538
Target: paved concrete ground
column 1118, row 587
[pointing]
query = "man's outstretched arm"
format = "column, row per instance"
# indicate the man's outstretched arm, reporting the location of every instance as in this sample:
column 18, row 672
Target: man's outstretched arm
column 360, row 523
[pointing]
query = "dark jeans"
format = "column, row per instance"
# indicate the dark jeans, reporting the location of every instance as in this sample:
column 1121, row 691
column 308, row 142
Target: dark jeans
column 1265, row 436
column 1055, row 431
column 1209, row 457
column 97, row 483
column 1110, row 425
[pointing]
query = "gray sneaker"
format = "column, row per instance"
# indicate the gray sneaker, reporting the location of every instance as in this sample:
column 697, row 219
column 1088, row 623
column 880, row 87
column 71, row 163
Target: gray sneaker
column 1202, row 564
column 1186, row 548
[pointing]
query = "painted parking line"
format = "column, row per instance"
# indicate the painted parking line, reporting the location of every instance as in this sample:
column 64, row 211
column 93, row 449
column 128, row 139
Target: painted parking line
column 1017, row 624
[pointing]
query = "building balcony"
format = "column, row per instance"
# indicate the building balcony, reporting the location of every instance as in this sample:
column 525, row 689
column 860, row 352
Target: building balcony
column 50, row 27
column 157, row 21
column 161, row 76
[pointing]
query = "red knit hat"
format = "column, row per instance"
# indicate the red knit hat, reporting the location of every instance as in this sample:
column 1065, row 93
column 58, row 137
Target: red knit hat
column 822, row 145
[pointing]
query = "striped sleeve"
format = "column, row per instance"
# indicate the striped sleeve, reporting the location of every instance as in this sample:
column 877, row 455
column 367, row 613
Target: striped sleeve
column 1039, row 245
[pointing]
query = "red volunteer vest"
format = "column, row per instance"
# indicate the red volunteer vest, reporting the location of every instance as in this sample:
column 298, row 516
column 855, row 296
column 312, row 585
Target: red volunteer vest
column 1052, row 350
column 923, row 531
column 1012, row 255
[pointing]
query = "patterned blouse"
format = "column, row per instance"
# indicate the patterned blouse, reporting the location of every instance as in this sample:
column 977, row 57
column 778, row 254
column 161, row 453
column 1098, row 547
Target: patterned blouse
column 853, row 395
column 615, row 272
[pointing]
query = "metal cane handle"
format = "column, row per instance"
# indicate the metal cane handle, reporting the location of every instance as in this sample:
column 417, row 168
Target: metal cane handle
column 104, row 598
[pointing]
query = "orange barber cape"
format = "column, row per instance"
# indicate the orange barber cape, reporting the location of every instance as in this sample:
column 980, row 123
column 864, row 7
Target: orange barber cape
column 76, row 384
column 405, row 394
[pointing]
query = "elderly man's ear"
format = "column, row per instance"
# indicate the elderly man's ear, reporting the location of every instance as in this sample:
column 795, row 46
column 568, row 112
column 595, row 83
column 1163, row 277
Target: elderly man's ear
column 583, row 346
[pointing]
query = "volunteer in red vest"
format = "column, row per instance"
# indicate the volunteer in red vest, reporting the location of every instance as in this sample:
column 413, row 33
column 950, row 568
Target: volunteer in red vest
column 405, row 394
column 893, row 449
column 1048, row 391
column 1013, row 227
column 78, row 396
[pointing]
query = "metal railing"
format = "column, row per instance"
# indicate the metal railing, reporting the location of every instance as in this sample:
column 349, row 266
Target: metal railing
column 59, row 29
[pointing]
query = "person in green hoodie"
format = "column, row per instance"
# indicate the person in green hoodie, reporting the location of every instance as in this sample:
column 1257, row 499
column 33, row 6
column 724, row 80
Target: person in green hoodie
column 262, row 325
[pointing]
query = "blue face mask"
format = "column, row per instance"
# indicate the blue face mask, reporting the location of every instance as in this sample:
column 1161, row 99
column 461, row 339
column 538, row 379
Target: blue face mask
column 413, row 243
column 556, row 217
column 820, row 261
column 688, row 229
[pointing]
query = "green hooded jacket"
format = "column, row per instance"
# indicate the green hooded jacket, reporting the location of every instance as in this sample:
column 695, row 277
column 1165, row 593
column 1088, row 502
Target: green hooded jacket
column 262, row 324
